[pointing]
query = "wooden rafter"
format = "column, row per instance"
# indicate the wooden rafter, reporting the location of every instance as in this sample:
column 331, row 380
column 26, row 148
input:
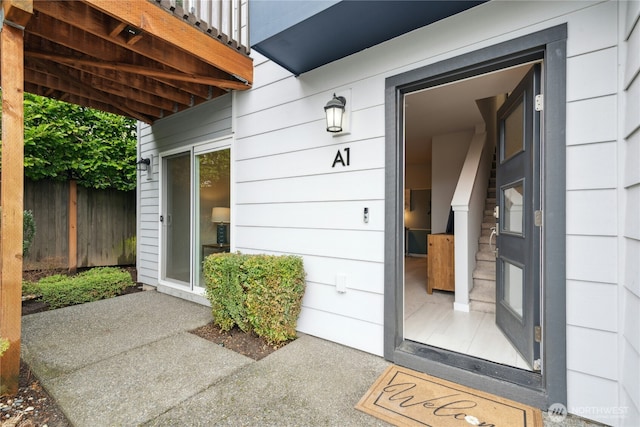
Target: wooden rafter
column 130, row 55
column 138, row 69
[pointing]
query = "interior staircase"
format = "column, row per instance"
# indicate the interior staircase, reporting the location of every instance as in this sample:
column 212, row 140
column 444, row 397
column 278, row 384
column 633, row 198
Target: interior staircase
column 483, row 295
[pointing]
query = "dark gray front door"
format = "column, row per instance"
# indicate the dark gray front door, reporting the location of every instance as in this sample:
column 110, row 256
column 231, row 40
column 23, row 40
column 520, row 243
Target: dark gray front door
column 518, row 199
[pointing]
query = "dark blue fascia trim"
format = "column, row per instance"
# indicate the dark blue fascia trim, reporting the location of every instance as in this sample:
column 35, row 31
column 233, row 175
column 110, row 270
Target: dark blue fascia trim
column 347, row 27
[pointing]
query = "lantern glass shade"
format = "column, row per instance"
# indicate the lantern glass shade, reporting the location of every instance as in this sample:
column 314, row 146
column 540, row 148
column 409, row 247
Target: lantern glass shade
column 143, row 164
column 220, row 214
column 334, row 111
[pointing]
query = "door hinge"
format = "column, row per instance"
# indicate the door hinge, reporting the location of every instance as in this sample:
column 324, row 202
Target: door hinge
column 537, row 218
column 537, row 334
column 537, row 365
column 539, row 102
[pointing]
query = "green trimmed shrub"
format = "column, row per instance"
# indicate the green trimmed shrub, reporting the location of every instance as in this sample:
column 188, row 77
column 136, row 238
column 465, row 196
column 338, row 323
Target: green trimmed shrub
column 30, row 288
column 275, row 286
column 224, row 278
column 92, row 285
column 262, row 293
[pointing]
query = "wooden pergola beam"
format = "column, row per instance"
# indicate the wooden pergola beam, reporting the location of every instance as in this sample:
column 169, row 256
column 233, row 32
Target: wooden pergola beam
column 140, row 70
column 151, row 18
column 17, row 12
column 16, row 16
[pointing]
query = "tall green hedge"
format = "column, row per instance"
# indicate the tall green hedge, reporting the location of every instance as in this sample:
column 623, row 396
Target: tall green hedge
column 259, row 293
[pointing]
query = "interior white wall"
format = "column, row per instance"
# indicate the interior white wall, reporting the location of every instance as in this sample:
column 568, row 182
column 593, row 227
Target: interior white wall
column 449, row 152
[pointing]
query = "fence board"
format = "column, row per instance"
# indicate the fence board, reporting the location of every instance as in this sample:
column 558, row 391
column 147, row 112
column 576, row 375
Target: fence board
column 106, row 226
column 48, row 200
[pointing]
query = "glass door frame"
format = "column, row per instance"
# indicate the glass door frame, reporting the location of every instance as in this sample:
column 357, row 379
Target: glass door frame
column 194, row 150
column 209, row 147
column 162, row 241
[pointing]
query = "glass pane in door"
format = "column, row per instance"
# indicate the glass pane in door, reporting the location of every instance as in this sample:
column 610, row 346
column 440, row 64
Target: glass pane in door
column 213, row 202
column 177, row 216
column 513, row 200
column 513, row 287
column 513, row 134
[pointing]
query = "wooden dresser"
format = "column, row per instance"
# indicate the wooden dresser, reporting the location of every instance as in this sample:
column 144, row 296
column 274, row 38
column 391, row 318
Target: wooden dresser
column 440, row 263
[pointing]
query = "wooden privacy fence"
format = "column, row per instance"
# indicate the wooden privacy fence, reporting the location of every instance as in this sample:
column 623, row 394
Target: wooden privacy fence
column 79, row 227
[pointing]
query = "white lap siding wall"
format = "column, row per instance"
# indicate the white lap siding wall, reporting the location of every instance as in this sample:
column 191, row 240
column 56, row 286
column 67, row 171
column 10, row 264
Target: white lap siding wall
column 292, row 197
column 629, row 215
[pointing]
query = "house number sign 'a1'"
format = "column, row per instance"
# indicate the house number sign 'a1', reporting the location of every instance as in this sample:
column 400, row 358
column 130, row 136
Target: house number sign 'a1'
column 341, row 159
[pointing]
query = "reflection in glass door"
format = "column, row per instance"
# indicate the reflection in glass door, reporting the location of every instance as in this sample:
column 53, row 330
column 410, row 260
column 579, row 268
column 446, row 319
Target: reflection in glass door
column 176, row 222
column 213, row 201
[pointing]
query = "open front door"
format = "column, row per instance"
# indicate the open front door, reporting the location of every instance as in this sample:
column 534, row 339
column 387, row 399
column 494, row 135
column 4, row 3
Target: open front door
column 518, row 214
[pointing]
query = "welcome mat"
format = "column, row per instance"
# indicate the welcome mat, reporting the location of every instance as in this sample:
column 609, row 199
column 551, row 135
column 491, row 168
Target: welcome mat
column 408, row 398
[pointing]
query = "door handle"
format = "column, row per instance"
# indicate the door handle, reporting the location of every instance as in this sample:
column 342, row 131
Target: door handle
column 494, row 232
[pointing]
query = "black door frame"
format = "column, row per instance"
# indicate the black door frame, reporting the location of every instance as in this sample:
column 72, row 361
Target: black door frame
column 538, row 389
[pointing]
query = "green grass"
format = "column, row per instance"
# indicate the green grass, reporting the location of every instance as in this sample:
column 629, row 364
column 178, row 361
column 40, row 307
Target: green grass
column 92, row 285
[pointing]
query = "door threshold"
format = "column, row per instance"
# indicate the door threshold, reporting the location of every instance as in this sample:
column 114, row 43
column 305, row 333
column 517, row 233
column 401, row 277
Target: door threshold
column 502, row 380
column 183, row 294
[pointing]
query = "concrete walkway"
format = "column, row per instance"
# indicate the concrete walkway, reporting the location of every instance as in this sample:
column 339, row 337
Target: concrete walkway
column 130, row 361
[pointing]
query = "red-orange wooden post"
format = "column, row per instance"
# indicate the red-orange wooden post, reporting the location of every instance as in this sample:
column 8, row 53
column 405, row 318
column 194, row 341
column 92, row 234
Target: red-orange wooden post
column 16, row 16
column 73, row 226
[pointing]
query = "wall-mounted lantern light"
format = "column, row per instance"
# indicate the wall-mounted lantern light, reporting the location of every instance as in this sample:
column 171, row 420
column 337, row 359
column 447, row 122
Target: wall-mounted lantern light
column 143, row 164
column 334, row 111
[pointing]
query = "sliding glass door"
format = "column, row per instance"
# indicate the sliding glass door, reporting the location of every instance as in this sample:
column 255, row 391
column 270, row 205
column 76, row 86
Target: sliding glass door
column 176, row 218
column 213, row 202
column 196, row 212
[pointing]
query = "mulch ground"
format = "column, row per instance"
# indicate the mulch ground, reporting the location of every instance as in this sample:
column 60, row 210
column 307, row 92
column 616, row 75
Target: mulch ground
column 33, row 407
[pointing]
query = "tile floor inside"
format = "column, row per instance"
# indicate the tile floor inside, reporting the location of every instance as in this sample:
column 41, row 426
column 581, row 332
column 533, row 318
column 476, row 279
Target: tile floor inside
column 431, row 320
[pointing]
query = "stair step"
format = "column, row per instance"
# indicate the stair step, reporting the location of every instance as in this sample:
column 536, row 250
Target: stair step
column 483, row 295
column 482, row 307
column 485, row 255
column 483, row 290
column 484, row 274
column 488, row 266
column 484, row 240
column 485, row 249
